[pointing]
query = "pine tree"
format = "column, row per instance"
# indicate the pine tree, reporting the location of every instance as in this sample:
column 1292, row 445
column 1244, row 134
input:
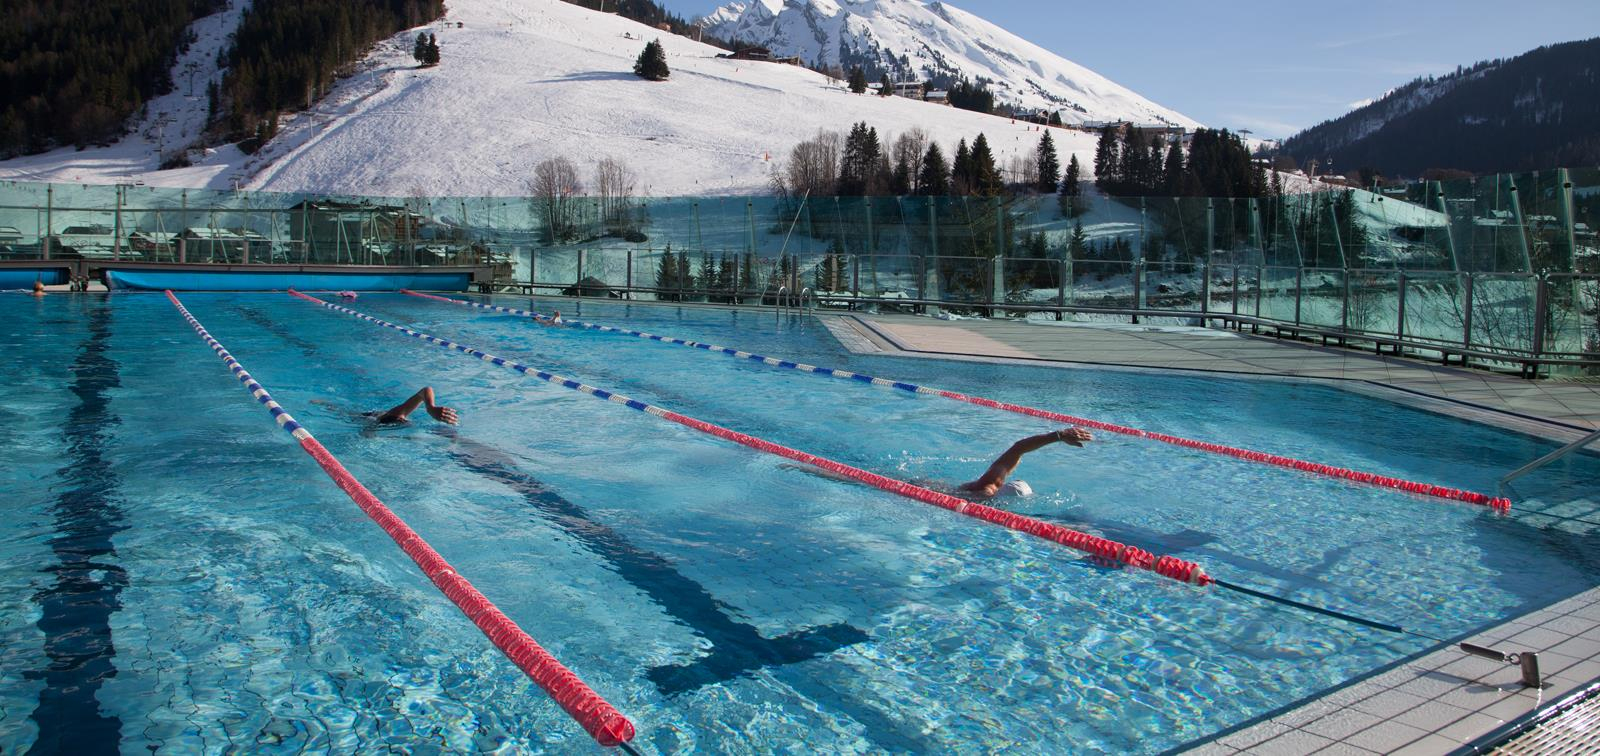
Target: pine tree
column 1049, row 164
column 885, row 86
column 1172, row 171
column 900, row 179
column 420, row 49
column 859, row 166
column 652, row 62
column 933, row 180
column 707, row 280
column 858, row 80
column 431, row 54
column 1067, row 197
column 667, row 275
column 985, row 174
column 1105, row 158
column 1077, row 245
column 961, row 170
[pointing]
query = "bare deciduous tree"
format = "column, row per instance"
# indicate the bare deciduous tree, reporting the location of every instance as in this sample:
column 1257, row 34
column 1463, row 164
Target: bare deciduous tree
column 908, row 150
column 614, row 184
column 555, row 188
column 814, row 164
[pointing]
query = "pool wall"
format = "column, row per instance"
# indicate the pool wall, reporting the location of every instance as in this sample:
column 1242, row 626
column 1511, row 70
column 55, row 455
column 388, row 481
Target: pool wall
column 279, row 281
column 23, row 278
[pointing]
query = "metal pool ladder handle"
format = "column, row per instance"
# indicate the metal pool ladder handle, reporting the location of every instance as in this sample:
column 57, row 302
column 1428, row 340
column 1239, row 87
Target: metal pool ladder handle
column 779, row 304
column 801, row 304
column 1551, row 457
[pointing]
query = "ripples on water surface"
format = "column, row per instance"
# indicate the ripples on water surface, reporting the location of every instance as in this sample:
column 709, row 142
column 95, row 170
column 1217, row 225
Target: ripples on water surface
column 722, row 599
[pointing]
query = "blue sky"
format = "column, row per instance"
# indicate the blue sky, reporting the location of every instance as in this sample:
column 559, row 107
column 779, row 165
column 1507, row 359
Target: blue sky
column 1275, row 67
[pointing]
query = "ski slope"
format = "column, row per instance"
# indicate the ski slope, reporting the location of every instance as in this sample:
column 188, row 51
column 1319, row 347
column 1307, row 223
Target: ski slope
column 526, row 80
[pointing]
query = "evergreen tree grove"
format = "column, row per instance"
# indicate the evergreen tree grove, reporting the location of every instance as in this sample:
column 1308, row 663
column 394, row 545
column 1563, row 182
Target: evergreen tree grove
column 858, row 80
column 652, row 62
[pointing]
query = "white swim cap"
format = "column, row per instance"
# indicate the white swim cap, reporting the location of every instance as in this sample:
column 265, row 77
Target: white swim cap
column 1016, row 488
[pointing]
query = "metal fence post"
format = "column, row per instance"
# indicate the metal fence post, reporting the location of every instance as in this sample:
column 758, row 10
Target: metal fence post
column 1466, row 317
column 1344, row 306
column 1061, row 285
column 579, row 282
column 1299, row 289
column 49, row 221
column 1205, row 291
column 1261, row 281
column 628, row 290
column 1138, row 287
column 855, row 278
column 1541, row 315
column 1400, row 321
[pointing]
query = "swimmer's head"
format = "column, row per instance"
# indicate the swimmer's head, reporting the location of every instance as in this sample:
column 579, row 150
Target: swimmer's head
column 1015, row 488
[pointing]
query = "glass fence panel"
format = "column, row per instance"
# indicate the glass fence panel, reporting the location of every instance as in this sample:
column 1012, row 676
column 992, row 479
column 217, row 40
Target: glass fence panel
column 1277, row 292
column 963, row 279
column 1172, row 286
column 1100, row 283
column 1574, row 315
column 1224, row 286
column 1322, row 297
column 1032, row 280
column 1435, row 307
column 1373, row 305
column 889, row 277
column 1503, row 312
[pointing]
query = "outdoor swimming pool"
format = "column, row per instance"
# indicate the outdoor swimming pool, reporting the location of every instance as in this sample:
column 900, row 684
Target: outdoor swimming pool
column 176, row 574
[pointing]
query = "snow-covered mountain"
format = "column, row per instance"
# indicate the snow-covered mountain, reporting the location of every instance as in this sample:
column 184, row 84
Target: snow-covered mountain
column 933, row 41
column 526, row 80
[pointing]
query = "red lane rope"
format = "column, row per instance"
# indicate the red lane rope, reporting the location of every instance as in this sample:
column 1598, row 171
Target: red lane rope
column 600, row 719
column 1105, row 548
column 1499, row 504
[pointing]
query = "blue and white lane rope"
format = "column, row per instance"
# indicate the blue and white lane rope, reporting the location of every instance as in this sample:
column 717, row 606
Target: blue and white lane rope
column 1105, row 548
column 602, row 721
column 1499, row 504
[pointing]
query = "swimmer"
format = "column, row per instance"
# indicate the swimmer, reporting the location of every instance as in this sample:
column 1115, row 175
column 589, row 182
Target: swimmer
column 401, row 413
column 347, row 294
column 993, row 481
column 38, row 288
column 553, row 320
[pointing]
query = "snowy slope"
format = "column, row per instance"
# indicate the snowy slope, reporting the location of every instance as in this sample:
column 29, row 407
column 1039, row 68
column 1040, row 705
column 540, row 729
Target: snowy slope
column 526, row 80
column 917, row 40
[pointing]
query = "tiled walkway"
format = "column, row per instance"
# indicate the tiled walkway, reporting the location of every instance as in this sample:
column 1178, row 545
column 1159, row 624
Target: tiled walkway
column 1572, row 404
column 1436, row 704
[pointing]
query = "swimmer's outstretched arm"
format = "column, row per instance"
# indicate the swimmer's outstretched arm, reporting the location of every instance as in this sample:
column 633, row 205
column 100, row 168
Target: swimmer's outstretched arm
column 402, row 412
column 1002, row 468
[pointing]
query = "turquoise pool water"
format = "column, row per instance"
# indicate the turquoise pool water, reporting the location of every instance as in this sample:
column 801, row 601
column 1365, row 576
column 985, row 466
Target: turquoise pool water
column 175, row 574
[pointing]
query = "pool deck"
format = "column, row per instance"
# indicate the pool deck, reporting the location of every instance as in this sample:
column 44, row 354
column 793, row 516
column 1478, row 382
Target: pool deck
column 1438, row 703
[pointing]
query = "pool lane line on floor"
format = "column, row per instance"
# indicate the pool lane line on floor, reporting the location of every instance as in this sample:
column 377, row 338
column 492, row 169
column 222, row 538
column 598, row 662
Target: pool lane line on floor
column 1104, row 548
column 1499, row 504
column 600, row 719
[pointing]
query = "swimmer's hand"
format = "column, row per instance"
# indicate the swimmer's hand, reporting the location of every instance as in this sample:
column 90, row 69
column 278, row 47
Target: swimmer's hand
column 443, row 414
column 1075, row 436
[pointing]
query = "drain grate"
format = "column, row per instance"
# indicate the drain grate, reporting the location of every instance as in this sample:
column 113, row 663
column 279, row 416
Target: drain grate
column 1574, row 729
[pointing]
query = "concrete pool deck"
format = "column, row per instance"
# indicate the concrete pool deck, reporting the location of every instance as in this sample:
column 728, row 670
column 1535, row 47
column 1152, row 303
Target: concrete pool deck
column 1438, row 703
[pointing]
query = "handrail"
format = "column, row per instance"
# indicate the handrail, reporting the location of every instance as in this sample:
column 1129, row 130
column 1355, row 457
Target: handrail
column 780, row 303
column 801, row 304
column 1554, row 456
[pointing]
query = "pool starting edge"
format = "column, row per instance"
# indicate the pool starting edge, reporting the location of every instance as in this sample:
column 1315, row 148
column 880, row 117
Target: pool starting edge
column 1499, row 504
column 600, row 719
column 1104, row 548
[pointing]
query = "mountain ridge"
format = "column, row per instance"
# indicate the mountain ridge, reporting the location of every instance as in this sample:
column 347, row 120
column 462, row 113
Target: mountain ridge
column 1529, row 112
column 934, row 41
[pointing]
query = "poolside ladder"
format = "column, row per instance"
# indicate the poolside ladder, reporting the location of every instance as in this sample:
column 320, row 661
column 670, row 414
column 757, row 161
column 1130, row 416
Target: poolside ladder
column 1551, row 457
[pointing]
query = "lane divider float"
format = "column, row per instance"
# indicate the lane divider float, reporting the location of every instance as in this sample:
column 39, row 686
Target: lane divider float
column 1103, row 548
column 1499, row 504
column 600, row 719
